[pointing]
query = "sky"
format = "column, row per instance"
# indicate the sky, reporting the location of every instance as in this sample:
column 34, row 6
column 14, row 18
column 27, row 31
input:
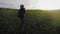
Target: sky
column 31, row 4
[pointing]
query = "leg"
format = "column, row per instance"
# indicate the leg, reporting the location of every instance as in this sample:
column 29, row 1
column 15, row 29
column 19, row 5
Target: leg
column 21, row 26
column 22, row 22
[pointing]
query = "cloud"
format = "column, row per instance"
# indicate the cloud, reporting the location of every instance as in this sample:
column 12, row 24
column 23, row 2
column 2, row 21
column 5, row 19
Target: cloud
column 31, row 4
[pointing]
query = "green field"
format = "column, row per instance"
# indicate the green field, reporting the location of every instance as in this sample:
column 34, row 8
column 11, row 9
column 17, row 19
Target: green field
column 38, row 21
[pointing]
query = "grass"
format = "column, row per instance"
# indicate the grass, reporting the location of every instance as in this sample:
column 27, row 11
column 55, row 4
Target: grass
column 38, row 21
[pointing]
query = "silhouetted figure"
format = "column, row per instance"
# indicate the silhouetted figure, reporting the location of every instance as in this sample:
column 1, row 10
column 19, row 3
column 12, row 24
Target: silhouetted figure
column 21, row 13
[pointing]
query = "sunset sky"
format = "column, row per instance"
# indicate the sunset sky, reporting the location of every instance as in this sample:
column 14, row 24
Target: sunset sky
column 31, row 4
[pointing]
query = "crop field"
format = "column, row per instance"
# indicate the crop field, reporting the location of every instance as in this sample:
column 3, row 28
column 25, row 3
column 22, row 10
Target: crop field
column 35, row 21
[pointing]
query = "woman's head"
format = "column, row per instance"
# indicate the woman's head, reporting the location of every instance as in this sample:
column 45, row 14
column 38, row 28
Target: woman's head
column 22, row 6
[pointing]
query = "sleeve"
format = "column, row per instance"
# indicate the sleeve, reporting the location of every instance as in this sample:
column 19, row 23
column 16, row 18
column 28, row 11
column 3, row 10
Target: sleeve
column 24, row 10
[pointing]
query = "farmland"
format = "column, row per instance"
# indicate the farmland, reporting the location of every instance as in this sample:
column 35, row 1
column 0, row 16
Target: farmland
column 38, row 21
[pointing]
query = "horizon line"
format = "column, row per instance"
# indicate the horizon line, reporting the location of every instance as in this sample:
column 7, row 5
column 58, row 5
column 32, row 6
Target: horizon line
column 30, row 9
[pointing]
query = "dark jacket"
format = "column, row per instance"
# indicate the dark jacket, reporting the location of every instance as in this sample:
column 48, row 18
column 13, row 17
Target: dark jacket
column 21, row 12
